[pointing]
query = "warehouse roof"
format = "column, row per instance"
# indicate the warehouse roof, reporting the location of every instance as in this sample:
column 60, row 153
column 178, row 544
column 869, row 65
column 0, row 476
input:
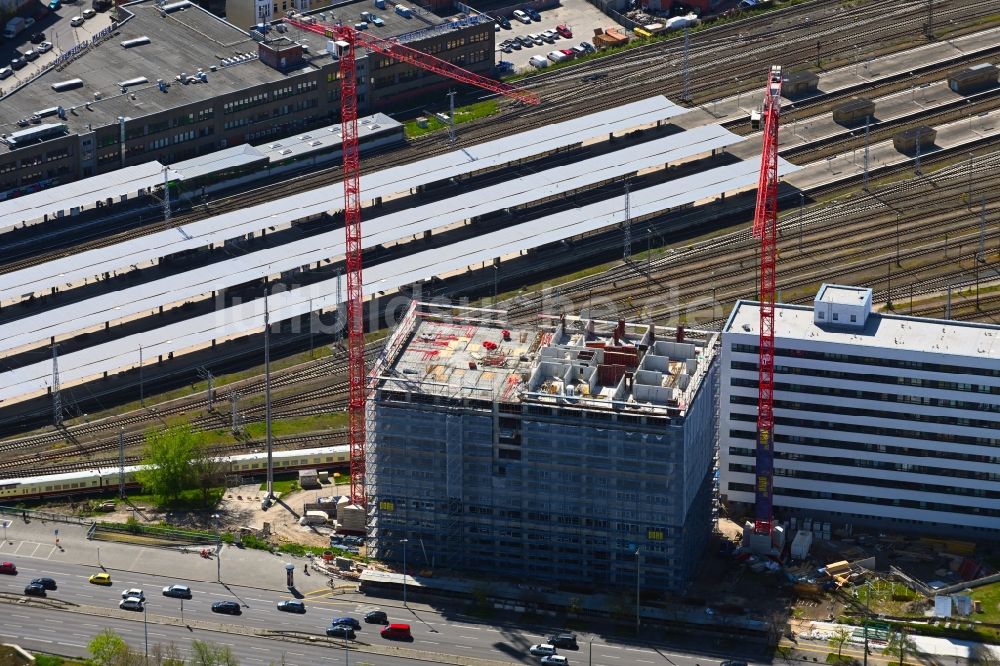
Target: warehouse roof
column 323, row 139
column 181, row 41
column 900, row 335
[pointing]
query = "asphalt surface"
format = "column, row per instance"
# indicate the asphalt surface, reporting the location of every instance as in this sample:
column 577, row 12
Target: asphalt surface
column 68, row 632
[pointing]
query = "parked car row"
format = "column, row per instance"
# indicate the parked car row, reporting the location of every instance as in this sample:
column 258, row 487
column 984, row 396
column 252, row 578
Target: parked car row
column 561, row 55
column 527, row 41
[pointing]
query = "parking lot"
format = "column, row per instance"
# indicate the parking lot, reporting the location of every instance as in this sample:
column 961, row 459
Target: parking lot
column 580, row 16
column 58, row 32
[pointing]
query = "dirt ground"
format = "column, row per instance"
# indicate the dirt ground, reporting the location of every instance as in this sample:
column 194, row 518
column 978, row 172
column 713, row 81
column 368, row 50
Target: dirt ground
column 240, row 507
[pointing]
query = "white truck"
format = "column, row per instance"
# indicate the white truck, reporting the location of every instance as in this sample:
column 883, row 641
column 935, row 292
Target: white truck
column 14, row 27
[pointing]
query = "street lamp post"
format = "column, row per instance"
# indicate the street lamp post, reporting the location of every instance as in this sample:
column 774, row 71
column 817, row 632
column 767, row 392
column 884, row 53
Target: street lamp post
column 145, row 630
column 347, row 652
column 218, row 551
column 590, row 651
column 404, row 542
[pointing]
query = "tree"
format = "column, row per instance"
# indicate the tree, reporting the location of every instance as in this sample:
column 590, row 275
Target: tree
column 899, row 644
column 837, row 639
column 169, row 461
column 109, row 649
column 211, row 654
column 166, row 655
column 209, row 473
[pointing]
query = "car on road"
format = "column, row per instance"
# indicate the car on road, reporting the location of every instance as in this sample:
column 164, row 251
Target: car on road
column 292, row 606
column 535, row 16
column 227, row 607
column 340, row 631
column 347, row 621
column 542, row 650
column 8, row 568
column 34, row 590
column 563, row 641
column 521, row 16
column 564, row 31
column 132, row 604
column 555, row 660
column 47, row 583
column 100, row 579
column 177, row 591
column 397, row 632
column 134, row 592
column 89, row 14
column 504, row 22
column 376, row 617
column 76, row 21
column 54, row 5
column 44, row 47
column 5, row 72
column 38, row 38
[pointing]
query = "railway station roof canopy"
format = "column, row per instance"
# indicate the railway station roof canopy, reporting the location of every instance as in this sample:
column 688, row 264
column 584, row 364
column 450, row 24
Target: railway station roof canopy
column 219, row 161
column 86, row 192
column 247, row 318
column 553, row 182
column 217, row 229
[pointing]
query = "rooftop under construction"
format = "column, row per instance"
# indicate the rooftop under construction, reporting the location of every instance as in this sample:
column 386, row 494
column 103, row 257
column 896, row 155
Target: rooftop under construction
column 488, row 440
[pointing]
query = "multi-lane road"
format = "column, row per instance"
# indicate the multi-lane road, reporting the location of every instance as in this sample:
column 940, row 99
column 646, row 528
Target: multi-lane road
column 67, row 631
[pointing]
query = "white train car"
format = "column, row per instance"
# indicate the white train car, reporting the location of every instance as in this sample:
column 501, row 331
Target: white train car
column 97, row 480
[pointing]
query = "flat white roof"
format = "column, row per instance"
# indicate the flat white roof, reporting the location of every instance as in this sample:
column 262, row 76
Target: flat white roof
column 227, row 158
column 382, row 183
column 551, row 182
column 127, row 181
column 885, row 331
column 324, row 138
column 248, row 317
column 841, row 295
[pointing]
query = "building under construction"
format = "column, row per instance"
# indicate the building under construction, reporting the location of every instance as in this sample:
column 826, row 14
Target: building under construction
column 575, row 452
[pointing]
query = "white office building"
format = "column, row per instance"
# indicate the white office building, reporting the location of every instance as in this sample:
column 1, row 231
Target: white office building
column 881, row 420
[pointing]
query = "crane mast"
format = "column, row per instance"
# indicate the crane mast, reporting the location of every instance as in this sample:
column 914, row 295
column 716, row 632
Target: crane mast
column 765, row 227
column 352, row 205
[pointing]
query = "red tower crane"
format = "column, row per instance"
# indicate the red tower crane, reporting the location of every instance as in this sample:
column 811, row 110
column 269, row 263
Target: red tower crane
column 351, row 40
column 765, row 226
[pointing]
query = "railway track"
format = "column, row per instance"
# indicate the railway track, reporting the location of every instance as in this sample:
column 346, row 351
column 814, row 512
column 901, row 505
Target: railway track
column 634, row 71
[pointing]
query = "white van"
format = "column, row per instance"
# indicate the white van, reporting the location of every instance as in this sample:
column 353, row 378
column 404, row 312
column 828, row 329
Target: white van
column 538, row 61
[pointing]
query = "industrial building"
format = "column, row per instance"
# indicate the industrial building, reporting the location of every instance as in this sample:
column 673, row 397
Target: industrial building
column 881, row 420
column 174, row 82
column 574, row 452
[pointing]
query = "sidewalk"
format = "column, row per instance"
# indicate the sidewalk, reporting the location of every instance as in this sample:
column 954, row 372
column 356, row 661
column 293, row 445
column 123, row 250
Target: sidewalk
column 245, row 567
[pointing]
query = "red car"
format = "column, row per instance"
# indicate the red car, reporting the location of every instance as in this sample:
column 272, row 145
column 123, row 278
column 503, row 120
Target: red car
column 399, row 632
column 564, row 31
column 8, row 568
column 569, row 53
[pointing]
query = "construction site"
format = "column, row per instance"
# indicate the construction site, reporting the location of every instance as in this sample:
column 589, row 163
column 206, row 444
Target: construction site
column 577, row 452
